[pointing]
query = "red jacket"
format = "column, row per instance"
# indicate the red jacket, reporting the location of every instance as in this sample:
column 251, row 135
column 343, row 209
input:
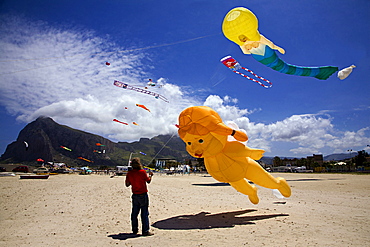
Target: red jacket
column 138, row 180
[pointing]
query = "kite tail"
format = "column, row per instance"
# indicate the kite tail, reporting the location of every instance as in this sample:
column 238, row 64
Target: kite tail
column 271, row 60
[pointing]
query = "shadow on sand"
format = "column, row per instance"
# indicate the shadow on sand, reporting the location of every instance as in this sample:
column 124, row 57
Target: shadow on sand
column 205, row 220
column 312, row 179
column 124, row 236
column 212, row 184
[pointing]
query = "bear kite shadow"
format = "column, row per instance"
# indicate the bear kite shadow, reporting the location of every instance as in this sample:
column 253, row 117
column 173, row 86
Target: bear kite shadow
column 205, row 220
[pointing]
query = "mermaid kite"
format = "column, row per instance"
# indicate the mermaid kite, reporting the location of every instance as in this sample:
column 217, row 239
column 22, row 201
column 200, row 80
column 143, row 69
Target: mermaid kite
column 240, row 25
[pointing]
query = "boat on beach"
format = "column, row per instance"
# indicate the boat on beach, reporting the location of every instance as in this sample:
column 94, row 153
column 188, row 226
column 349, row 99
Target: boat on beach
column 34, row 176
column 7, row 174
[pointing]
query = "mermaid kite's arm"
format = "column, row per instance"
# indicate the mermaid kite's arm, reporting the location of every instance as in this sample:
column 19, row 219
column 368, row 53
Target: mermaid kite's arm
column 265, row 41
column 248, row 45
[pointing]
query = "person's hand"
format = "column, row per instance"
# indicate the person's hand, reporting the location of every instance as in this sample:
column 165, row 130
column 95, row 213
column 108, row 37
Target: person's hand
column 151, row 174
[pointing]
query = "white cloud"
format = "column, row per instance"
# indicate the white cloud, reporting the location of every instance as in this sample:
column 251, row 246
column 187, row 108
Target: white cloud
column 62, row 74
column 310, row 133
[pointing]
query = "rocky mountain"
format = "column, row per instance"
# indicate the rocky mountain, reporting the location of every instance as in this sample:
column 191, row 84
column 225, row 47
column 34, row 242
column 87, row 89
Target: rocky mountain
column 45, row 140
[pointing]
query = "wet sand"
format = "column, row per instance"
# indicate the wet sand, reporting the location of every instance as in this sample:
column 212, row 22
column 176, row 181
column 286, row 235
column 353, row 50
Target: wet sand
column 185, row 210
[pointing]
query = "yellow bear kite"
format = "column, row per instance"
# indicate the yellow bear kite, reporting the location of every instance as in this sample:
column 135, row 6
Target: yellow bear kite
column 206, row 136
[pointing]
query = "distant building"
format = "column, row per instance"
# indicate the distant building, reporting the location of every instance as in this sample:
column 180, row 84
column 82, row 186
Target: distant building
column 316, row 158
column 165, row 162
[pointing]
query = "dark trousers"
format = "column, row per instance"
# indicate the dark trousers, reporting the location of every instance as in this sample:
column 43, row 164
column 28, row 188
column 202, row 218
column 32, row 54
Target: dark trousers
column 140, row 203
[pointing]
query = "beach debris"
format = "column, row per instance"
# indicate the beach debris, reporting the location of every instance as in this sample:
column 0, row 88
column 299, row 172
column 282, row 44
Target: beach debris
column 279, row 202
column 226, row 160
column 277, row 194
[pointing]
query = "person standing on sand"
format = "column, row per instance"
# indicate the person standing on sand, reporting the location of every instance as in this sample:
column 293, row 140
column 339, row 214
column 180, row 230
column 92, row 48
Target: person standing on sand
column 138, row 178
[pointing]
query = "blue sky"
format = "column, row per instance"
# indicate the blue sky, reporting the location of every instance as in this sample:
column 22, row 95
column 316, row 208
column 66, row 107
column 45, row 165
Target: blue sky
column 53, row 54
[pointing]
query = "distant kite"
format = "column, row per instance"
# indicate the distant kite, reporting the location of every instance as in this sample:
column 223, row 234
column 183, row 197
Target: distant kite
column 134, row 123
column 81, row 158
column 232, row 64
column 106, row 63
column 99, row 144
column 116, row 120
column 146, row 167
column 151, row 83
column 240, row 26
column 143, row 106
column 68, row 149
column 140, row 90
column 26, row 144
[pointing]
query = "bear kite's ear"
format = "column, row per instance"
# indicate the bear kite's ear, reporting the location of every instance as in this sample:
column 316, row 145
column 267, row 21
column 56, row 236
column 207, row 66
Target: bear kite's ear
column 239, row 135
column 222, row 129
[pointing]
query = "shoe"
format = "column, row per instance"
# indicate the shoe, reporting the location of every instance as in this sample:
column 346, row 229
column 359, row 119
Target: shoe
column 147, row 234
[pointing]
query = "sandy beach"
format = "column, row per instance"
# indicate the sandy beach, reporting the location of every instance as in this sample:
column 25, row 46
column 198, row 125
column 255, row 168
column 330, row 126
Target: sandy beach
column 185, row 210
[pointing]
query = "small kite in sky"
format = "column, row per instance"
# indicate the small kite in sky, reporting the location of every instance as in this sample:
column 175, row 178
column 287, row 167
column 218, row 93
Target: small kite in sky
column 68, row 149
column 151, row 83
column 232, row 64
column 107, row 63
column 26, row 144
column 81, row 158
column 240, row 26
column 140, row 90
column 99, row 144
column 116, row 120
column 143, row 106
column 134, row 123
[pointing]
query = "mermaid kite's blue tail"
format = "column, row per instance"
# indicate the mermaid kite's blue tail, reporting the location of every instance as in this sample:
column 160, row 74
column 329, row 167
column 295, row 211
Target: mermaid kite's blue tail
column 271, row 60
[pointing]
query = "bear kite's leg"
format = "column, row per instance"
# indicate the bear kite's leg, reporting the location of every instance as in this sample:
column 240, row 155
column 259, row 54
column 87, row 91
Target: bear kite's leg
column 243, row 186
column 261, row 177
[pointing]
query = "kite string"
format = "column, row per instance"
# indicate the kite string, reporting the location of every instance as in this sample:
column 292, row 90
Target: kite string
column 98, row 53
column 162, row 148
column 111, row 52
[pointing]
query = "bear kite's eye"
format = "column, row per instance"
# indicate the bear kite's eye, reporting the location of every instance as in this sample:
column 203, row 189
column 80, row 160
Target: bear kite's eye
column 189, row 143
column 200, row 141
